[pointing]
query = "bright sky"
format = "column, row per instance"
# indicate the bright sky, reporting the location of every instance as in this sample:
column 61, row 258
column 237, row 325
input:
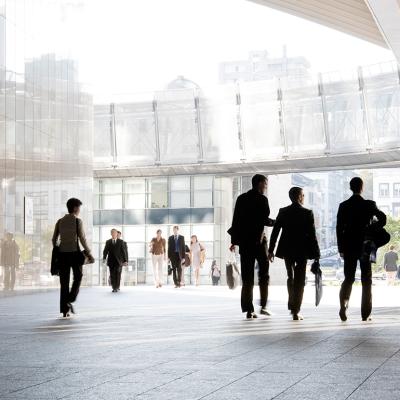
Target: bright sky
column 140, row 45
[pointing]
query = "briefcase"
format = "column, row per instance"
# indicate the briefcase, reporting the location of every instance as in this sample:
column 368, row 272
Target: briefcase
column 55, row 261
column 316, row 270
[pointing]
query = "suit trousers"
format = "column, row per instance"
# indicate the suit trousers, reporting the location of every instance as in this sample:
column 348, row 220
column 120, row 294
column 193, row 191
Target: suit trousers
column 176, row 268
column 248, row 256
column 115, row 276
column 67, row 295
column 350, row 267
column 9, row 278
column 296, row 280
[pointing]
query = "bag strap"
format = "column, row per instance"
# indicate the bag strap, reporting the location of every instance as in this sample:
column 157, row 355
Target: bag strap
column 77, row 235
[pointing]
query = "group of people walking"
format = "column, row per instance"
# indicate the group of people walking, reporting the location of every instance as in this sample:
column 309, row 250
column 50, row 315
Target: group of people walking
column 359, row 222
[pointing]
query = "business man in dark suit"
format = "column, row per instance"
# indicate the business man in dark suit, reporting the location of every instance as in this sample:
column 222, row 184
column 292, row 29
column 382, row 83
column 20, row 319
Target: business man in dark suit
column 250, row 216
column 119, row 236
column 116, row 256
column 176, row 254
column 354, row 217
column 297, row 244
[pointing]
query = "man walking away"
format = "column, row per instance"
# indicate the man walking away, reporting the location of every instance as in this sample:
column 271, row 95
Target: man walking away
column 354, row 217
column 176, row 253
column 390, row 264
column 115, row 254
column 250, row 216
column 297, row 244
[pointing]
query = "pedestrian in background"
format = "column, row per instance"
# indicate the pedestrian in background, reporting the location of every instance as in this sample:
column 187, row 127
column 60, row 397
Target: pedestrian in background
column 197, row 257
column 9, row 260
column 158, row 257
column 215, row 273
column 390, row 264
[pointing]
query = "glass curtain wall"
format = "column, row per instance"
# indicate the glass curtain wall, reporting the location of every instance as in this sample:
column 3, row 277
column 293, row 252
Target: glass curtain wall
column 45, row 133
column 140, row 206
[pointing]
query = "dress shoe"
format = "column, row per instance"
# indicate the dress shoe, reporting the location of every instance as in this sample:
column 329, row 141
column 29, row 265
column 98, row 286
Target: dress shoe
column 66, row 315
column 71, row 308
column 367, row 319
column 265, row 311
column 297, row 317
column 342, row 313
column 251, row 315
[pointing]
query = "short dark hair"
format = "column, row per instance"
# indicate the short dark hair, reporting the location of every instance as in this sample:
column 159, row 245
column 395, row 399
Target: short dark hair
column 356, row 184
column 119, row 232
column 256, row 179
column 294, row 193
column 72, row 203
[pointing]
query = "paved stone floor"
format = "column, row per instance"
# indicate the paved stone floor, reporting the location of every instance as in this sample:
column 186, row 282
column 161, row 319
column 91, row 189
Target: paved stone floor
column 193, row 343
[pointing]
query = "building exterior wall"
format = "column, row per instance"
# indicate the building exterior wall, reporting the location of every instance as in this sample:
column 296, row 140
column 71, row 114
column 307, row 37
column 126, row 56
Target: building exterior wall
column 45, row 134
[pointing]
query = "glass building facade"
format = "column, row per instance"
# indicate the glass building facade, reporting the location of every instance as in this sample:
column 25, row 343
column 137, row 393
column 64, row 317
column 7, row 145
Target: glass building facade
column 46, row 124
column 140, row 206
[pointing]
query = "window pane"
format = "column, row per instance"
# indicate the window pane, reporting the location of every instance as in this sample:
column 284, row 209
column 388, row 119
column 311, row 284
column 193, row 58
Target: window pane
column 135, row 200
column 158, row 193
column 136, row 250
column 111, row 217
column 203, row 198
column 134, row 234
column 180, row 183
column 203, row 182
column 135, row 186
column 181, row 216
column 112, row 202
column 112, row 186
column 180, row 199
column 134, row 217
column 202, row 215
column 156, row 216
column 203, row 232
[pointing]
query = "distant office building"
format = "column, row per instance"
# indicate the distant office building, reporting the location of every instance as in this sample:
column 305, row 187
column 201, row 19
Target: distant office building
column 387, row 191
column 260, row 66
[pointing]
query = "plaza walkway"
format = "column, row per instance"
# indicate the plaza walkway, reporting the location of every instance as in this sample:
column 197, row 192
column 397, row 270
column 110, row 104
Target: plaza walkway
column 193, row 343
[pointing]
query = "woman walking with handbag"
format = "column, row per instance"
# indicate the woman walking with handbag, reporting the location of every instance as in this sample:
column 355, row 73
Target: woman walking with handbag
column 68, row 232
column 158, row 256
column 197, row 256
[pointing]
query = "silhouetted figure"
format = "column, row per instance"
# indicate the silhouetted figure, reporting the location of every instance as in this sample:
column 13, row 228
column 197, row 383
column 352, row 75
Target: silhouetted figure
column 354, row 217
column 250, row 216
column 68, row 232
column 9, row 260
column 297, row 244
column 390, row 264
column 116, row 255
column 176, row 254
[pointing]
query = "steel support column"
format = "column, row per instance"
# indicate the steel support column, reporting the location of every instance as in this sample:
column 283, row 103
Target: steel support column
column 364, row 104
column 156, row 133
column 324, row 114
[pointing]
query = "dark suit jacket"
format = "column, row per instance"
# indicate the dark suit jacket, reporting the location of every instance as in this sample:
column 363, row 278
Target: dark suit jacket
column 181, row 246
column 116, row 253
column 354, row 217
column 298, row 239
column 250, row 216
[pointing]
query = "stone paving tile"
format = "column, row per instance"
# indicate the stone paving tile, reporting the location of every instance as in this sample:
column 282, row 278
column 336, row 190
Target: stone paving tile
column 197, row 346
column 375, row 394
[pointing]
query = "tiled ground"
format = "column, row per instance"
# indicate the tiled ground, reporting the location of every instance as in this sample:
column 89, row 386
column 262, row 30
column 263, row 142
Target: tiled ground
column 193, row 343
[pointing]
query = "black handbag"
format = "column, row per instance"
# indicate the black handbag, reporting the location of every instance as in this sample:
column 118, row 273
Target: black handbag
column 169, row 269
column 81, row 256
column 55, row 261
